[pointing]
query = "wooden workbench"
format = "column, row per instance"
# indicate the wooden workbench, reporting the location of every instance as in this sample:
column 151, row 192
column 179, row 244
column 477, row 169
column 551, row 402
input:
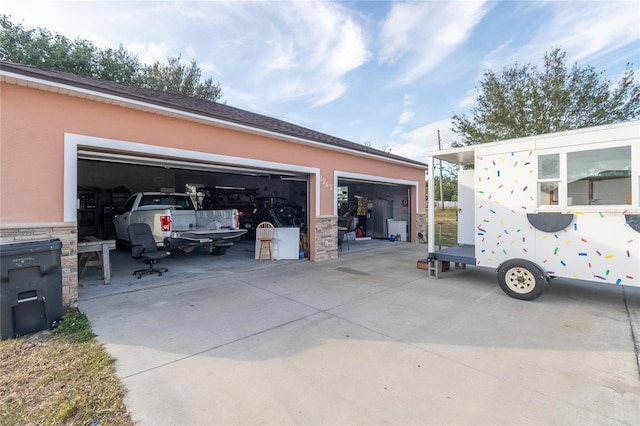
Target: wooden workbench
column 95, row 252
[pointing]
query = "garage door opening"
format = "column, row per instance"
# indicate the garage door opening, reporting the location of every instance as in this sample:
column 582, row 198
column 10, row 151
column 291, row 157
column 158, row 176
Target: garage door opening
column 104, row 186
column 373, row 209
column 279, row 197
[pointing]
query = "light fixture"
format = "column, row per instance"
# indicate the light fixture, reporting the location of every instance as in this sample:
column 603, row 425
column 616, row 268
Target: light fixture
column 294, row 178
column 237, row 188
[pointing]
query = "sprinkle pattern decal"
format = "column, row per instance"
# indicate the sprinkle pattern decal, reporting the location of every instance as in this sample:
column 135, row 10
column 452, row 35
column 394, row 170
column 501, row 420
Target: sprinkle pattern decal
column 596, row 246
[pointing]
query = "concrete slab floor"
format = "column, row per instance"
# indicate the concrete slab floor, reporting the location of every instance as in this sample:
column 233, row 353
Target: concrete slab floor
column 369, row 339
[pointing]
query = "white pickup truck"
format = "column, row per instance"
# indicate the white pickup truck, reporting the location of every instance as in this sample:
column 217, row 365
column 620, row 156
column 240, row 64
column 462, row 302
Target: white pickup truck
column 177, row 224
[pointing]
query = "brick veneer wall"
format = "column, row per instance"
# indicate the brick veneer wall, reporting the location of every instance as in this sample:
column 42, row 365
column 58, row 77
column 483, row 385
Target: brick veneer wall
column 326, row 243
column 68, row 236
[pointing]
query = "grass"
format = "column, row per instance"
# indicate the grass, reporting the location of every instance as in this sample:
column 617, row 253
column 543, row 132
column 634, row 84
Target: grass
column 446, row 221
column 63, row 377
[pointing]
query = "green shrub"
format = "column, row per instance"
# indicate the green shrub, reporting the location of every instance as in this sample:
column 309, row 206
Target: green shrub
column 75, row 325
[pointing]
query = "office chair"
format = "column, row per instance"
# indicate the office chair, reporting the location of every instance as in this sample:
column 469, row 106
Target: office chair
column 143, row 246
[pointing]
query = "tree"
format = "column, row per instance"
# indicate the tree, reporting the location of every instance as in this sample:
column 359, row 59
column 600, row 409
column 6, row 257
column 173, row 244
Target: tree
column 118, row 65
column 449, row 184
column 51, row 51
column 523, row 101
column 175, row 77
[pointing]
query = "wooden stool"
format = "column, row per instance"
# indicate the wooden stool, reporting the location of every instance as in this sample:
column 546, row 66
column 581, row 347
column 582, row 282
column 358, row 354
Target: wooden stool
column 265, row 233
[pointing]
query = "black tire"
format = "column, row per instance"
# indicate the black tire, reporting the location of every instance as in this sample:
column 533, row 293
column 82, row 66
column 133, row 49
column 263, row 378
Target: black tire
column 219, row 251
column 521, row 279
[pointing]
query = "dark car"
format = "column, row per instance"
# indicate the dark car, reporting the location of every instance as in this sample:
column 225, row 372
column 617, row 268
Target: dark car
column 279, row 211
column 222, row 198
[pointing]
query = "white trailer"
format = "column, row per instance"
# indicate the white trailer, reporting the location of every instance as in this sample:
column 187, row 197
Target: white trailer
column 564, row 205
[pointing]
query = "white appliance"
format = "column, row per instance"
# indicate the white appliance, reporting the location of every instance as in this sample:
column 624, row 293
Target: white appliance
column 397, row 227
column 378, row 211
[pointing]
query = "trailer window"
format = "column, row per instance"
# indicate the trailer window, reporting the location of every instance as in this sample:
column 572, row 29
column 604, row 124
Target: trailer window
column 548, row 179
column 585, row 178
column 599, row 177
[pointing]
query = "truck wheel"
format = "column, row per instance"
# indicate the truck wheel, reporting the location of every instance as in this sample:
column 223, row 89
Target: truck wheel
column 521, row 279
column 219, row 251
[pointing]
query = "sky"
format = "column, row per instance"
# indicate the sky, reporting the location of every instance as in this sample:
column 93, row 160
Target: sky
column 382, row 73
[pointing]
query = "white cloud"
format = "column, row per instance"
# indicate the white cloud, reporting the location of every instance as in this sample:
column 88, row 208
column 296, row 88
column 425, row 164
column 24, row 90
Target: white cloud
column 150, row 52
column 592, row 28
column 298, row 50
column 469, row 100
column 406, row 117
column 584, row 30
column 209, row 68
column 408, row 101
column 417, row 143
column 262, row 51
column 419, row 36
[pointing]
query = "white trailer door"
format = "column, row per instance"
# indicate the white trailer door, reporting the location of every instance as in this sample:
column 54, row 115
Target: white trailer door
column 466, row 207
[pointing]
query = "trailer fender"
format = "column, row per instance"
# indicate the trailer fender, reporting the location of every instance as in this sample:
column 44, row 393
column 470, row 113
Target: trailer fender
column 521, row 279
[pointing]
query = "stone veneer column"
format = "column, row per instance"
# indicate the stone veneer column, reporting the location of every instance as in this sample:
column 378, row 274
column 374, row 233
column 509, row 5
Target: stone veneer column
column 421, row 225
column 68, row 236
column 326, row 243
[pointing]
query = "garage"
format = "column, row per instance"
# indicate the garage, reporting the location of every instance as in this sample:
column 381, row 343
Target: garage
column 74, row 149
column 374, row 209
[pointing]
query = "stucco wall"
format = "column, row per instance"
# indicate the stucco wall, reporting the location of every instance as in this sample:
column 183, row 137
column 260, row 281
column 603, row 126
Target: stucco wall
column 34, row 123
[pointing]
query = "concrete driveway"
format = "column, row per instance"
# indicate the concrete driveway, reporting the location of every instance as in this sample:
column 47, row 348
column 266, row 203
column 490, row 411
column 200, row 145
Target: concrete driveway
column 368, row 339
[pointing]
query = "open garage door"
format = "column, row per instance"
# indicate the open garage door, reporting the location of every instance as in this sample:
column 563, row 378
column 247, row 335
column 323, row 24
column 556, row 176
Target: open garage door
column 375, row 209
column 106, row 179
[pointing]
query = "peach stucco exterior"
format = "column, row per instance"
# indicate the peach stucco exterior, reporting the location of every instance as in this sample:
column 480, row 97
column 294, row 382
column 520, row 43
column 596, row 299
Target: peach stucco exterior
column 41, row 129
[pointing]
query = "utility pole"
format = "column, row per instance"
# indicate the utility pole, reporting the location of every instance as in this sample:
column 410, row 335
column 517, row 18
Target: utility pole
column 440, row 166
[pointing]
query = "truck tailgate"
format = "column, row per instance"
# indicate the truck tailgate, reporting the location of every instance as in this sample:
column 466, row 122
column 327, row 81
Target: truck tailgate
column 216, row 219
column 210, row 235
column 183, row 220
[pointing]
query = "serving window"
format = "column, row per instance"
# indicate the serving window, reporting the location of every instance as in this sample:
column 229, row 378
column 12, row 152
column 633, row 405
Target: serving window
column 599, row 177
column 585, row 178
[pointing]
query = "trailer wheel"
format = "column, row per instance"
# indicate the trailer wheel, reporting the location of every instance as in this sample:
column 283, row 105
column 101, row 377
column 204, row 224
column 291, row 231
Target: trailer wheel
column 521, row 279
column 219, row 250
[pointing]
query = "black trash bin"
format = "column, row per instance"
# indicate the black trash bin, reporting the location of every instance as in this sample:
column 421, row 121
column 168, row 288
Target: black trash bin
column 30, row 287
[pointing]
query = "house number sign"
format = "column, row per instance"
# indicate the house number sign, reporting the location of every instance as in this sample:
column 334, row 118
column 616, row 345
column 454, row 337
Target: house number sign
column 325, row 182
